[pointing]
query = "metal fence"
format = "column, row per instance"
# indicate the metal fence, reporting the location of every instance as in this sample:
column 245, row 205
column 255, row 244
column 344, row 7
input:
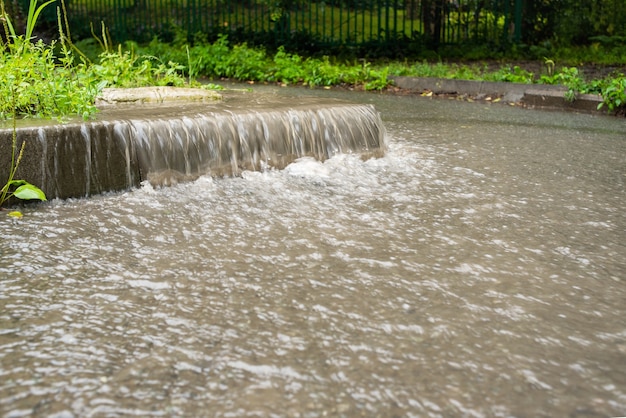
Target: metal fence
column 332, row 23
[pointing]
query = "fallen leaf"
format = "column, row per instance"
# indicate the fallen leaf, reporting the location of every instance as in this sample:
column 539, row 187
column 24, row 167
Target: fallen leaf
column 15, row 214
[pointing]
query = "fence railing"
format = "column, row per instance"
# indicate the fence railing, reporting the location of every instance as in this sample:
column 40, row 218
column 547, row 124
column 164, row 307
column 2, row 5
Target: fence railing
column 332, row 22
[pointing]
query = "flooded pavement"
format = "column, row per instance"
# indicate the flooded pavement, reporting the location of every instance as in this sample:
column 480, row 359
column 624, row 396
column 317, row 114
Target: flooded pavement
column 478, row 269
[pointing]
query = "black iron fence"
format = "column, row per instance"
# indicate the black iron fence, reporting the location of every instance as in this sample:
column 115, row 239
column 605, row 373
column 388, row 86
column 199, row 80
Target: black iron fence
column 332, row 23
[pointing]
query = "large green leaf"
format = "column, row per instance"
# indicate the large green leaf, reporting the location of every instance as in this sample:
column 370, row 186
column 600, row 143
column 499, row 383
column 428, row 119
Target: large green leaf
column 29, row 192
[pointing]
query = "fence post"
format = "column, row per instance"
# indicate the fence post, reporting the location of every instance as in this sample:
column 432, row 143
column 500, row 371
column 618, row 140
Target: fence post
column 517, row 36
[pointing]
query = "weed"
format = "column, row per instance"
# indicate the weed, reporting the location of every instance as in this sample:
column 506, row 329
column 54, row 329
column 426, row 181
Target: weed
column 14, row 82
column 20, row 189
column 512, row 75
column 124, row 68
column 36, row 82
column 377, row 80
column 287, row 67
column 614, row 93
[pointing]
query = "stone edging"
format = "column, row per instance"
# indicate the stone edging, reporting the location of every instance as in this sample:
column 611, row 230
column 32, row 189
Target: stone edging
column 154, row 95
column 530, row 95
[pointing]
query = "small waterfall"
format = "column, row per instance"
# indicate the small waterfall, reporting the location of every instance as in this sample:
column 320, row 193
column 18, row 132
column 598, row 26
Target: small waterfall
column 226, row 143
column 166, row 145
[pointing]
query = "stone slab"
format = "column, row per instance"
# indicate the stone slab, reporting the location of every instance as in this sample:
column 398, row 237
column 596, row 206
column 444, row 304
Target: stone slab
column 509, row 91
column 551, row 99
column 154, row 95
column 531, row 95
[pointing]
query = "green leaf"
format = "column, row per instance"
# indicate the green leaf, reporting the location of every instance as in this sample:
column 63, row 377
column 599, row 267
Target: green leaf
column 33, row 15
column 28, row 192
column 9, row 25
column 17, row 183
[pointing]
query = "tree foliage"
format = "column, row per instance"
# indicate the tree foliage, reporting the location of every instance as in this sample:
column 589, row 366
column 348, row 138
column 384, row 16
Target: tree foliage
column 573, row 22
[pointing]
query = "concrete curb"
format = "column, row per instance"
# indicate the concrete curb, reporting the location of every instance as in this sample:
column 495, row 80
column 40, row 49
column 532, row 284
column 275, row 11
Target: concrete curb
column 555, row 99
column 529, row 95
column 155, row 95
column 167, row 143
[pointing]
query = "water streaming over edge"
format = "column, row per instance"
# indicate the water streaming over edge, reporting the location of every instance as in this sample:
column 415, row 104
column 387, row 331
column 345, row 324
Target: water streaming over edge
column 476, row 270
column 168, row 143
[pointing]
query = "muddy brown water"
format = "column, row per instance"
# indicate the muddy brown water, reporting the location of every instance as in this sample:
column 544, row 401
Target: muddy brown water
column 478, row 269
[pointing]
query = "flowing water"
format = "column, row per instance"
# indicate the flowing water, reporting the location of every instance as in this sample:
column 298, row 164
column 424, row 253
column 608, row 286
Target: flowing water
column 478, row 269
column 172, row 142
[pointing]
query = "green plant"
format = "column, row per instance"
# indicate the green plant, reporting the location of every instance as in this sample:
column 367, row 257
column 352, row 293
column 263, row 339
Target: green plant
column 124, row 68
column 287, row 67
column 50, row 82
column 321, row 72
column 33, row 14
column 245, row 63
column 20, row 189
column 22, row 50
column 568, row 77
column 376, row 80
column 512, row 75
column 614, row 93
column 206, row 59
column 35, row 80
column 550, row 64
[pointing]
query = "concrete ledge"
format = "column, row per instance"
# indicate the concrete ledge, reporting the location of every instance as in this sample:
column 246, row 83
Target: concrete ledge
column 555, row 99
column 530, row 95
column 509, row 92
column 154, row 95
column 182, row 140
